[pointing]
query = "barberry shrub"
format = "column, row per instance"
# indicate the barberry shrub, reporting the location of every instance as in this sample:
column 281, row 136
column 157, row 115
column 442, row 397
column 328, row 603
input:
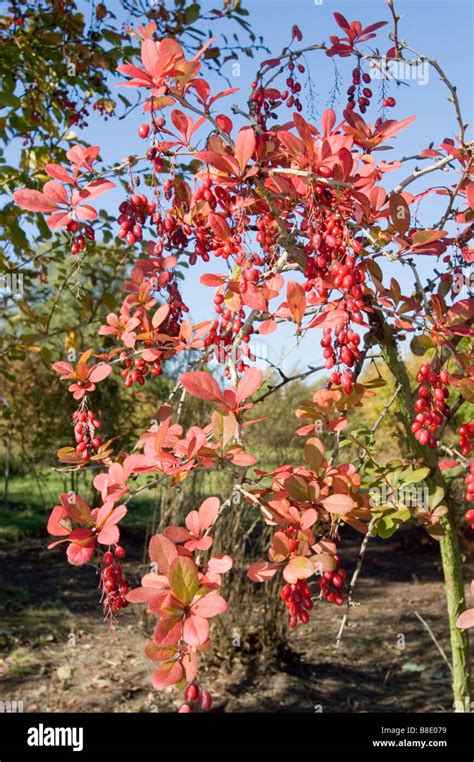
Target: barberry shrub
column 294, row 225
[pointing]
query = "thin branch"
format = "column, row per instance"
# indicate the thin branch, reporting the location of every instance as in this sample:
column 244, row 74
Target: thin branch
column 433, row 638
column 360, row 561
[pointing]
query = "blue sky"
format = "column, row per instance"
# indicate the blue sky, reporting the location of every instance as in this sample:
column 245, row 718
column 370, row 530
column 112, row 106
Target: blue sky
column 442, row 30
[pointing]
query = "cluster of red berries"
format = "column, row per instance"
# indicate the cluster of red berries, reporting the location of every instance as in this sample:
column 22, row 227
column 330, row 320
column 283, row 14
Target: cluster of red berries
column 85, row 425
column 344, row 349
column 72, row 114
column 78, row 238
column 195, row 698
column 331, row 263
column 469, row 481
column 331, row 584
column 223, row 332
column 329, row 260
column 75, row 116
column 430, row 405
column 356, row 95
column 114, row 586
column 136, row 370
column 389, row 102
column 265, row 100
column 298, row 600
column 133, row 214
column 466, row 437
column 153, row 156
column 267, row 233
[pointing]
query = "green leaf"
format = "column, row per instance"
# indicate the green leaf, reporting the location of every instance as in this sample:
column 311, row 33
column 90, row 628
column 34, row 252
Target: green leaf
column 386, row 526
column 183, row 577
column 8, row 99
column 417, row 476
column 435, row 497
column 191, row 13
column 419, row 344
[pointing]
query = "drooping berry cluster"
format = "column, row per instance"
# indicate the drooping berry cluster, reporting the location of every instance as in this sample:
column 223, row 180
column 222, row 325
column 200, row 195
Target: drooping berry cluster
column 430, row 406
column 114, row 586
column 466, row 437
column 196, row 698
column 469, row 482
column 265, row 100
column 137, row 369
column 78, row 239
column 332, row 264
column 359, row 93
column 223, row 332
column 297, row 599
column 133, row 214
column 85, row 425
column 332, row 583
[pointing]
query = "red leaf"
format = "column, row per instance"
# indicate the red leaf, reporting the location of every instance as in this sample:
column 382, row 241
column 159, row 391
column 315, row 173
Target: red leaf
column 262, row 570
column 296, row 298
column 168, row 673
column 180, row 121
column 162, row 552
column 59, row 173
column 342, row 21
column 212, row 280
column 202, row 385
column 219, row 227
column 328, row 121
column 267, row 327
column 99, row 372
column 55, row 192
column 208, row 513
column 447, row 463
column 465, row 620
column 195, row 630
column 338, row 503
column 399, row 212
column 96, row 189
column 224, row 123
column 244, row 146
column 423, row 237
column 210, row 605
column 248, row 384
column 219, row 161
column 167, row 631
column 330, row 318
column 33, row 201
column 58, row 220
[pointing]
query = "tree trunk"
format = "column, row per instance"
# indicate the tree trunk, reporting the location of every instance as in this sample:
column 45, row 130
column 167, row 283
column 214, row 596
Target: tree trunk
column 449, row 545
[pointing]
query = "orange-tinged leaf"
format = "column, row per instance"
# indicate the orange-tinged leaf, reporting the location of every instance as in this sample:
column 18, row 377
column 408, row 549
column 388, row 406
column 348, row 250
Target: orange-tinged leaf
column 296, row 299
column 338, row 503
column 399, row 213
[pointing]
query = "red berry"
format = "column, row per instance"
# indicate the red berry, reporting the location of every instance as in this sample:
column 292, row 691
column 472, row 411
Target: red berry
column 191, row 692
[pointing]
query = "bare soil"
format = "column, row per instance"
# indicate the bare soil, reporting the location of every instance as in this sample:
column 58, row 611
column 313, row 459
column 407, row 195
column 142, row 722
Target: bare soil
column 58, row 655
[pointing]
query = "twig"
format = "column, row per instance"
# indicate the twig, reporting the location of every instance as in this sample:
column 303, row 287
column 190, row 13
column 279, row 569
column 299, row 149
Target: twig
column 360, row 561
column 433, row 638
column 287, row 380
column 386, row 409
